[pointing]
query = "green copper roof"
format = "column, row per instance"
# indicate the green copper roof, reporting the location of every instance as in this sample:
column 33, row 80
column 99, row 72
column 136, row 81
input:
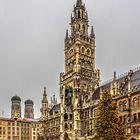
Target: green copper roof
column 29, row 102
column 16, row 98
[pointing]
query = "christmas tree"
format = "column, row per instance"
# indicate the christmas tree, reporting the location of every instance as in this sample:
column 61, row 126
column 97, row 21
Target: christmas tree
column 108, row 125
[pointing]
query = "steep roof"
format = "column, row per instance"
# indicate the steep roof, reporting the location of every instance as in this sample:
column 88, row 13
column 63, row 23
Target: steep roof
column 134, row 81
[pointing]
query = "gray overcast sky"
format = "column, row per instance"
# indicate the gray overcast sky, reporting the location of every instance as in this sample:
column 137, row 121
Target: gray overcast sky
column 32, row 43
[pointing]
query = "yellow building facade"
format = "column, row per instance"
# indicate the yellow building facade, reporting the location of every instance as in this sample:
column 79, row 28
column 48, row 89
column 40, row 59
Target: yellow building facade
column 20, row 129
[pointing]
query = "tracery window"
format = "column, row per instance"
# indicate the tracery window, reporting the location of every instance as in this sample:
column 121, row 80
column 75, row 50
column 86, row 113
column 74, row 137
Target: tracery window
column 135, row 102
column 83, row 50
column 124, row 105
column 134, row 117
column 121, row 106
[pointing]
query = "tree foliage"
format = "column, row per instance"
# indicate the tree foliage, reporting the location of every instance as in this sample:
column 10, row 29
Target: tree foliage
column 108, row 125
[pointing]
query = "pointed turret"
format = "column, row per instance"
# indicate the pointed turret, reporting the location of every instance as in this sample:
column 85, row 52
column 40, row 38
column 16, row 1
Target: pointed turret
column 92, row 35
column 67, row 35
column 79, row 3
column 44, row 108
column 45, row 96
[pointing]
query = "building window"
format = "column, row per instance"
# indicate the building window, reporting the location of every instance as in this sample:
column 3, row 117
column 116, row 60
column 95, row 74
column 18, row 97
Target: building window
column 134, row 117
column 124, row 105
column 134, row 130
column 66, row 126
column 121, row 106
column 135, row 102
column 139, row 116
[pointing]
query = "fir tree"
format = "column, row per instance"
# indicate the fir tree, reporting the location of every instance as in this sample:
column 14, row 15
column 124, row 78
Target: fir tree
column 108, row 125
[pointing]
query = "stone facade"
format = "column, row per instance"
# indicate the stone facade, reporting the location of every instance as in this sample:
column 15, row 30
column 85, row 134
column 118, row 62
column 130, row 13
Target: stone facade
column 75, row 116
column 20, row 129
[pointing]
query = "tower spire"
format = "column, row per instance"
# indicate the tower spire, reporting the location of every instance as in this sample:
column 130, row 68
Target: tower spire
column 92, row 32
column 79, row 3
column 67, row 35
column 45, row 94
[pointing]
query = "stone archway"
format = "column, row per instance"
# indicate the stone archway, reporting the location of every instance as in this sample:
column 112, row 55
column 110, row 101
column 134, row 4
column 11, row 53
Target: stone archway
column 133, row 139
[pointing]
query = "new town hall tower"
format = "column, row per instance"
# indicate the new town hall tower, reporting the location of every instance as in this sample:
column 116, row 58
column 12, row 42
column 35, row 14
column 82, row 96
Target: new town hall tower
column 75, row 116
column 81, row 78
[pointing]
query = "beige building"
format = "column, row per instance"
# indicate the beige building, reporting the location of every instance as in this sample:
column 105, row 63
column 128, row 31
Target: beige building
column 80, row 91
column 20, row 129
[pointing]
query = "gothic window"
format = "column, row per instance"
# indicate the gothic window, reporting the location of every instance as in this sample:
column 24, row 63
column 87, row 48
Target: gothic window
column 124, row 105
column 124, row 119
column 135, row 102
column 65, row 116
column 88, row 52
column 70, row 126
column 83, row 62
column 134, row 117
column 71, row 116
column 78, row 14
column 121, row 106
column 84, row 28
column 86, row 98
column 66, row 126
column 134, row 130
column 83, row 50
column 79, row 27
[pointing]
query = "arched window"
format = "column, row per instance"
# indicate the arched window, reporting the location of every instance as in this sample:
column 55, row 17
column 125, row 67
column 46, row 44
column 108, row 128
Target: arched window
column 66, row 117
column 84, row 28
column 79, row 26
column 124, row 105
column 83, row 50
column 88, row 51
column 86, row 98
column 79, row 14
column 121, row 106
column 135, row 102
column 66, row 126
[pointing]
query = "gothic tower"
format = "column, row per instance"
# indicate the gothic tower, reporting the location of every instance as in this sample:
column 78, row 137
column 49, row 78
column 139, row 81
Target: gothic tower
column 80, row 78
column 44, row 108
column 16, row 107
column 29, row 109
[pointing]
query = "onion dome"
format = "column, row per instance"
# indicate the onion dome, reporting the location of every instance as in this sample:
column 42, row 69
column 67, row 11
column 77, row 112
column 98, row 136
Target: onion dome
column 16, row 98
column 29, row 102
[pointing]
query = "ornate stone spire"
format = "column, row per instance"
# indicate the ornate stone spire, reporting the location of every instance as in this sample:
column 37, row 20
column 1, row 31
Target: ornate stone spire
column 44, row 92
column 67, row 35
column 44, row 100
column 92, row 35
column 79, row 3
column 44, row 108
